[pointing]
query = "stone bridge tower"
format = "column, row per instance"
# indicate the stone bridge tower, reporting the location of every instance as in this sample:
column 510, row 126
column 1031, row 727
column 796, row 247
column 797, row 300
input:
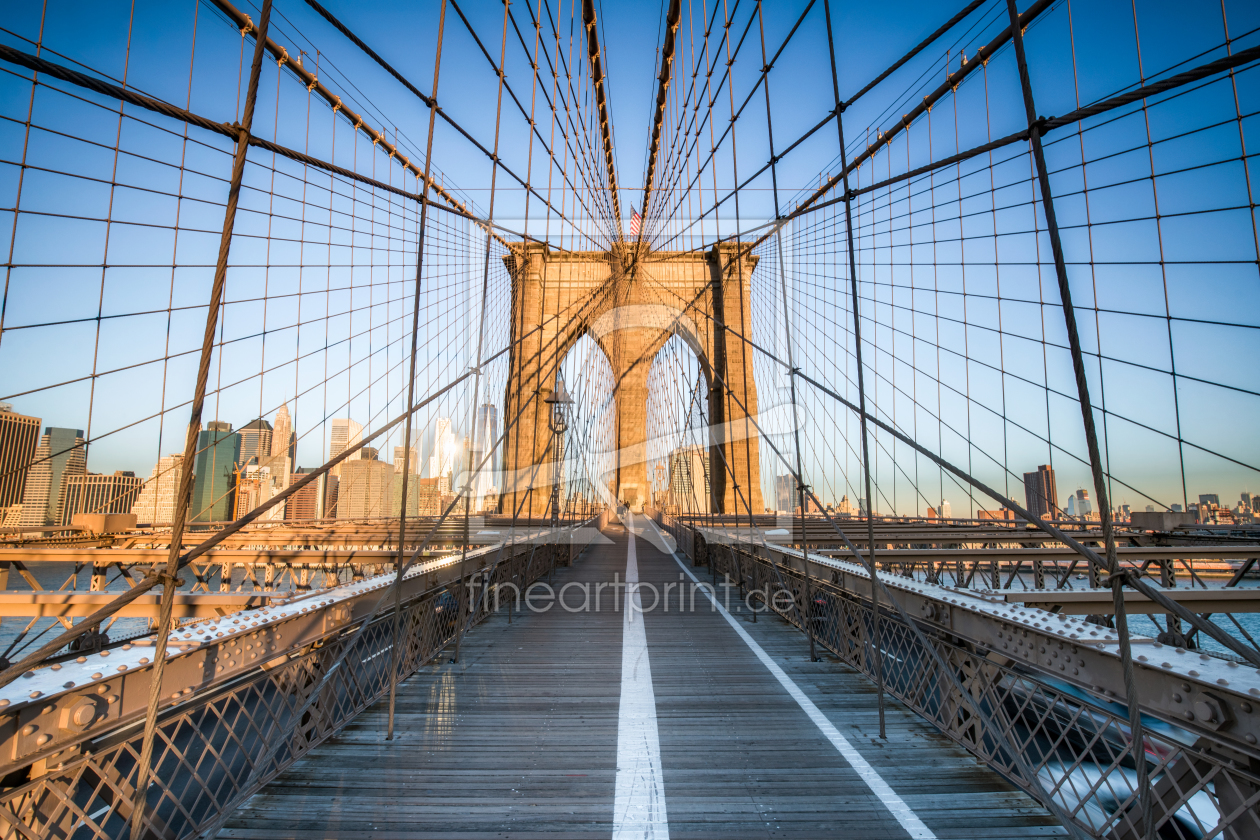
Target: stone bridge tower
column 704, row 298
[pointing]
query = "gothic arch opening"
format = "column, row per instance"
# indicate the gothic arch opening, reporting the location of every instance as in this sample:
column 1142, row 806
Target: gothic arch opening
column 588, row 446
column 679, row 441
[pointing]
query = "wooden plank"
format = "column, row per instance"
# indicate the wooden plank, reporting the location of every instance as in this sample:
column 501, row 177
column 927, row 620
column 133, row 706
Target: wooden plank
column 520, row 740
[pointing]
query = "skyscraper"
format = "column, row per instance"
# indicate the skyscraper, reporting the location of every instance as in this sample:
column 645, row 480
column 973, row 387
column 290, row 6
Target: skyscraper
column 92, row 493
column 60, row 454
column 332, row 488
column 366, row 491
column 257, row 484
column 1079, row 504
column 428, row 497
column 944, row 510
column 283, row 435
column 304, row 504
column 484, row 435
column 784, row 493
column 19, row 436
column 442, row 461
column 689, row 478
column 214, row 483
column 343, row 434
column 413, row 462
column 1041, row 496
column 155, row 504
column 255, row 442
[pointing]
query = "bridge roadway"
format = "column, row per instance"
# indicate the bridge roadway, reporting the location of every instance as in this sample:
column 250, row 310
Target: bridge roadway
column 526, row 735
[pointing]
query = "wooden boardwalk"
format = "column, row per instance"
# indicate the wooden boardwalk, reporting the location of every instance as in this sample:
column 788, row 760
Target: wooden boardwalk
column 520, row 739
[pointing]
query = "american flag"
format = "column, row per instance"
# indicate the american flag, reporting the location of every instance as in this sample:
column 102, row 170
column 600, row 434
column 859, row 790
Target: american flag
column 635, row 220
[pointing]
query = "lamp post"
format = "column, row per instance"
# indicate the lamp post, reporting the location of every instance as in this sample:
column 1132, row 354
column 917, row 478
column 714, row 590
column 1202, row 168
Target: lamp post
column 559, row 424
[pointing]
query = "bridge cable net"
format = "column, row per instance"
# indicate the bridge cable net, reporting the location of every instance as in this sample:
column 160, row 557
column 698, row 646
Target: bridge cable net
column 856, row 353
column 237, row 180
column 957, row 217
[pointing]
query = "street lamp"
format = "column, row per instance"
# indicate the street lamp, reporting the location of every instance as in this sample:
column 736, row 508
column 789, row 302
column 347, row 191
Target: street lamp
column 556, row 419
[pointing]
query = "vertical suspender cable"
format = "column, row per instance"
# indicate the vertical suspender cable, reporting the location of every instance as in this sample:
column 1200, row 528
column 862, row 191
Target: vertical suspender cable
column 875, row 641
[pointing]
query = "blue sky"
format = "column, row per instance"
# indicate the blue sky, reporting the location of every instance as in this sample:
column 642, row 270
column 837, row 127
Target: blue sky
column 1198, row 267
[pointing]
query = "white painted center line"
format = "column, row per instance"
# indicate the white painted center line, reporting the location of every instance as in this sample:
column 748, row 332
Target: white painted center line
column 894, row 803
column 639, row 803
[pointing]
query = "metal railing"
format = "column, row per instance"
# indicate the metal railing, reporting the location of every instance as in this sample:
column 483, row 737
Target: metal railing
column 1044, row 693
column 244, row 697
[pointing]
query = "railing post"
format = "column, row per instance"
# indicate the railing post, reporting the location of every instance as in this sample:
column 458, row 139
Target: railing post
column 1115, row 579
column 184, row 494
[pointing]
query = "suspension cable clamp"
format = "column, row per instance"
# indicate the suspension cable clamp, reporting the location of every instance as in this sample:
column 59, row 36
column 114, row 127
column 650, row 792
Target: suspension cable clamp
column 1125, row 576
column 166, row 579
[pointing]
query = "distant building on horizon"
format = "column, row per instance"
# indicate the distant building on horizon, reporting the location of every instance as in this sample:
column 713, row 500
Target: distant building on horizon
column 255, row 442
column 485, row 432
column 442, row 461
column 428, row 497
column 155, row 503
column 257, row 484
column 1041, row 495
column 93, row 493
column 784, row 493
column 412, row 460
column 366, row 489
column 61, row 454
column 343, row 434
column 19, row 438
column 283, row 435
column 689, row 486
column 214, row 471
column 304, row 504
column 1079, row 504
column 332, row 490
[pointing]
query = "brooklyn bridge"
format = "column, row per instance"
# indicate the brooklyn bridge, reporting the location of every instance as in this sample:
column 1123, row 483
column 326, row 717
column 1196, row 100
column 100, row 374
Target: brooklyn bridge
column 544, row 419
